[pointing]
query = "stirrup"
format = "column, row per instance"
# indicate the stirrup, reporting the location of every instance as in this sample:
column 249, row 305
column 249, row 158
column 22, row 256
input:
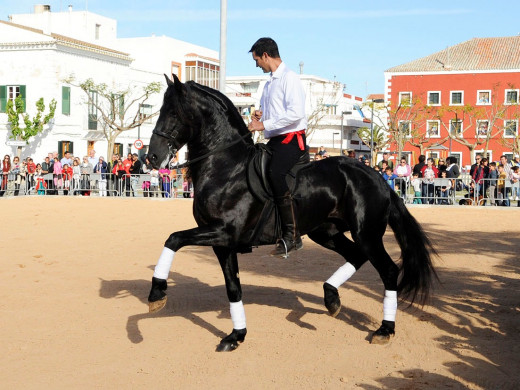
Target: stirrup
column 274, row 252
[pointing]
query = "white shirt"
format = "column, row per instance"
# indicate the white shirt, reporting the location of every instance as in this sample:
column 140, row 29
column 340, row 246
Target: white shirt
column 283, row 103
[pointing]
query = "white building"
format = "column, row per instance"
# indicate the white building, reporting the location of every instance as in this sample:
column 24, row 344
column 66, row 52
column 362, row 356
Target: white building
column 39, row 51
column 333, row 116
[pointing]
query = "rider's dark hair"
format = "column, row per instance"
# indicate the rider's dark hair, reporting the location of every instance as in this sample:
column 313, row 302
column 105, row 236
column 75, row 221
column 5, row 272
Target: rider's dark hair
column 265, row 45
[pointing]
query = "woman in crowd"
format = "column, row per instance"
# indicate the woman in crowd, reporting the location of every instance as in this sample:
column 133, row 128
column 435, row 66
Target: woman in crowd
column 15, row 172
column 40, row 185
column 86, row 171
column 429, row 173
column 76, row 177
column 57, row 172
column 119, row 173
column 102, row 168
column 6, row 168
column 403, row 172
column 164, row 175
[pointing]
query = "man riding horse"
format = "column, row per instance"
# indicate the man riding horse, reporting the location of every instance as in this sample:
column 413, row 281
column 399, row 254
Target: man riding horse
column 283, row 121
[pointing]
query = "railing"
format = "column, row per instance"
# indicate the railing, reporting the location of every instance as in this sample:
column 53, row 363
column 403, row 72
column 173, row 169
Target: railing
column 98, row 184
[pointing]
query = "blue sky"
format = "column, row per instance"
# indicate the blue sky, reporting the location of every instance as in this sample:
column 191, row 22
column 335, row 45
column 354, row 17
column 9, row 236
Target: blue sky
column 353, row 42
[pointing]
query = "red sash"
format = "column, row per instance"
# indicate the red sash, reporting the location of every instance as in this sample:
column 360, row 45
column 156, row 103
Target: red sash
column 289, row 136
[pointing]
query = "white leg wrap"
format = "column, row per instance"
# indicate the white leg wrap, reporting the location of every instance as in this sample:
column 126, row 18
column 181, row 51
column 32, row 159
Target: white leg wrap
column 390, row 305
column 162, row 269
column 342, row 275
column 238, row 315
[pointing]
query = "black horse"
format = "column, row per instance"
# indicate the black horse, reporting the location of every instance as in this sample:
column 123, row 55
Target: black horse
column 333, row 196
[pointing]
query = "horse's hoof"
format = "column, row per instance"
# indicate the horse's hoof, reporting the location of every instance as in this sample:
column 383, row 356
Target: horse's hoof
column 331, row 298
column 384, row 333
column 380, row 339
column 154, row 307
column 226, row 346
column 230, row 342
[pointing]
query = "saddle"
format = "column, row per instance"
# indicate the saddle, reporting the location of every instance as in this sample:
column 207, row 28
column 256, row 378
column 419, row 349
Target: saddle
column 257, row 172
column 259, row 186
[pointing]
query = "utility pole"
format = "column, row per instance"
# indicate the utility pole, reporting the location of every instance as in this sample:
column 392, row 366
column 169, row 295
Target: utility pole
column 223, row 44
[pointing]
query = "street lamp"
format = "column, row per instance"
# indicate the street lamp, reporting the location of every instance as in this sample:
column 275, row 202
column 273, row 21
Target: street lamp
column 343, row 113
column 372, row 128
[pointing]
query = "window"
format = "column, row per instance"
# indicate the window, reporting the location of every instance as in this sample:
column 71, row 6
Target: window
column 118, row 149
column 458, row 156
column 98, row 29
column 434, row 98
column 11, row 92
column 65, row 100
column 482, row 128
column 64, row 147
column 484, row 97
column 456, row 98
column 203, row 73
column 92, row 110
column 176, row 70
column 433, row 129
column 510, row 128
column 118, row 111
column 250, row 87
column 145, row 111
column 511, row 96
column 405, row 128
column 456, row 128
column 329, row 109
column 405, row 98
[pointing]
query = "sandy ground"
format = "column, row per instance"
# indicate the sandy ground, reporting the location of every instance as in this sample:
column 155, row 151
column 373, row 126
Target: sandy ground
column 76, row 272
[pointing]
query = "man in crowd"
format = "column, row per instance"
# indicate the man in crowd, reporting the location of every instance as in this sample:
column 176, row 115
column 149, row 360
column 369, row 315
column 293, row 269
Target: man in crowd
column 135, row 171
column 48, row 167
column 389, row 163
column 66, row 159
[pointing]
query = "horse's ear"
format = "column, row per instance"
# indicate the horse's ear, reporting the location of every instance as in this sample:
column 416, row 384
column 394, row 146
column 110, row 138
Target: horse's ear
column 168, row 81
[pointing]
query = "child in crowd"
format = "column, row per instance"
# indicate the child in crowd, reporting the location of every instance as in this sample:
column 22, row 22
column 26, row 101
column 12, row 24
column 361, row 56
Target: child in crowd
column 154, row 183
column 493, row 176
column 67, row 177
column 416, row 184
column 41, row 185
column 390, row 177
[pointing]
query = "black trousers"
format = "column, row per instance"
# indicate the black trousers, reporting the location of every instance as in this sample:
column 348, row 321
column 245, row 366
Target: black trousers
column 284, row 157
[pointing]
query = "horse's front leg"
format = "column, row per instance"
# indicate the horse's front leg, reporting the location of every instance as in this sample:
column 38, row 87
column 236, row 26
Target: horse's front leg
column 203, row 236
column 229, row 264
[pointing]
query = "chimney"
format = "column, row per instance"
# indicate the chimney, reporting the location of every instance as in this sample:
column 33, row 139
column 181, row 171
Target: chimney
column 301, row 67
column 70, row 7
column 41, row 8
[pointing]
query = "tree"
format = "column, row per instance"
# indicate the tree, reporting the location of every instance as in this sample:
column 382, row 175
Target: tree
column 380, row 139
column 30, row 127
column 119, row 110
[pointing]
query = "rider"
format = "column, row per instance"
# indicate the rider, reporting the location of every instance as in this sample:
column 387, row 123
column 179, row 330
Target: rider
column 282, row 118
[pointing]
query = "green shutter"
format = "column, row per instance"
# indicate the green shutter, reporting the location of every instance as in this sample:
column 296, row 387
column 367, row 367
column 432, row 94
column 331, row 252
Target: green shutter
column 60, row 149
column 65, row 100
column 24, row 97
column 3, row 98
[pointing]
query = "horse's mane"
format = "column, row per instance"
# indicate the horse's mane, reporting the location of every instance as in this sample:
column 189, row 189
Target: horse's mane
column 235, row 119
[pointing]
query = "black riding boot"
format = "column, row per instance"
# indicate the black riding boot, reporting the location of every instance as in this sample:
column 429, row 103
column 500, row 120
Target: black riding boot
column 291, row 239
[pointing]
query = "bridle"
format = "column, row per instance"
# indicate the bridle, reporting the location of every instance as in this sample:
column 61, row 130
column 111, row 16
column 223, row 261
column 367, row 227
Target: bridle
column 171, row 141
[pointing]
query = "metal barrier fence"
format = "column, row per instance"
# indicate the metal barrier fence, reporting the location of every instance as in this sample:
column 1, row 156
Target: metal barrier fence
column 98, row 184
column 460, row 191
column 441, row 191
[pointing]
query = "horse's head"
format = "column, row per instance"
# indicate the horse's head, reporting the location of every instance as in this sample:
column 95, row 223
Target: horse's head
column 195, row 115
column 174, row 126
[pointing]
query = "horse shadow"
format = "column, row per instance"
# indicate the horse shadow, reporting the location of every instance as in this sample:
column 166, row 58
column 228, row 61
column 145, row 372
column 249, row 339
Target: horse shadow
column 188, row 297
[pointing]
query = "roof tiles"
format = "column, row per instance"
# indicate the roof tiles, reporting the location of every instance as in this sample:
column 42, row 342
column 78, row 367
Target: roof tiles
column 502, row 53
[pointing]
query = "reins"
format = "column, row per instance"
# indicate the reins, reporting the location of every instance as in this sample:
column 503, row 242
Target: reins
column 190, row 162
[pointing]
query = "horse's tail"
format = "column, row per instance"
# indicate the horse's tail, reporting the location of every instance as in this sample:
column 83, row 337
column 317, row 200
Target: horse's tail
column 416, row 272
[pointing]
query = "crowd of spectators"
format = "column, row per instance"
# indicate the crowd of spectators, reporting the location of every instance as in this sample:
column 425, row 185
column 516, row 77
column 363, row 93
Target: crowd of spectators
column 430, row 181
column 72, row 175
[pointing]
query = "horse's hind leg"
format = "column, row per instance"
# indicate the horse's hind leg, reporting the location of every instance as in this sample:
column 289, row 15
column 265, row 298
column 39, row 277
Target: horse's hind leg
column 229, row 264
column 331, row 238
column 389, row 273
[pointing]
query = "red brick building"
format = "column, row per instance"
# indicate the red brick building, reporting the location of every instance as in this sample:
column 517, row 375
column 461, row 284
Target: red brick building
column 470, row 90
